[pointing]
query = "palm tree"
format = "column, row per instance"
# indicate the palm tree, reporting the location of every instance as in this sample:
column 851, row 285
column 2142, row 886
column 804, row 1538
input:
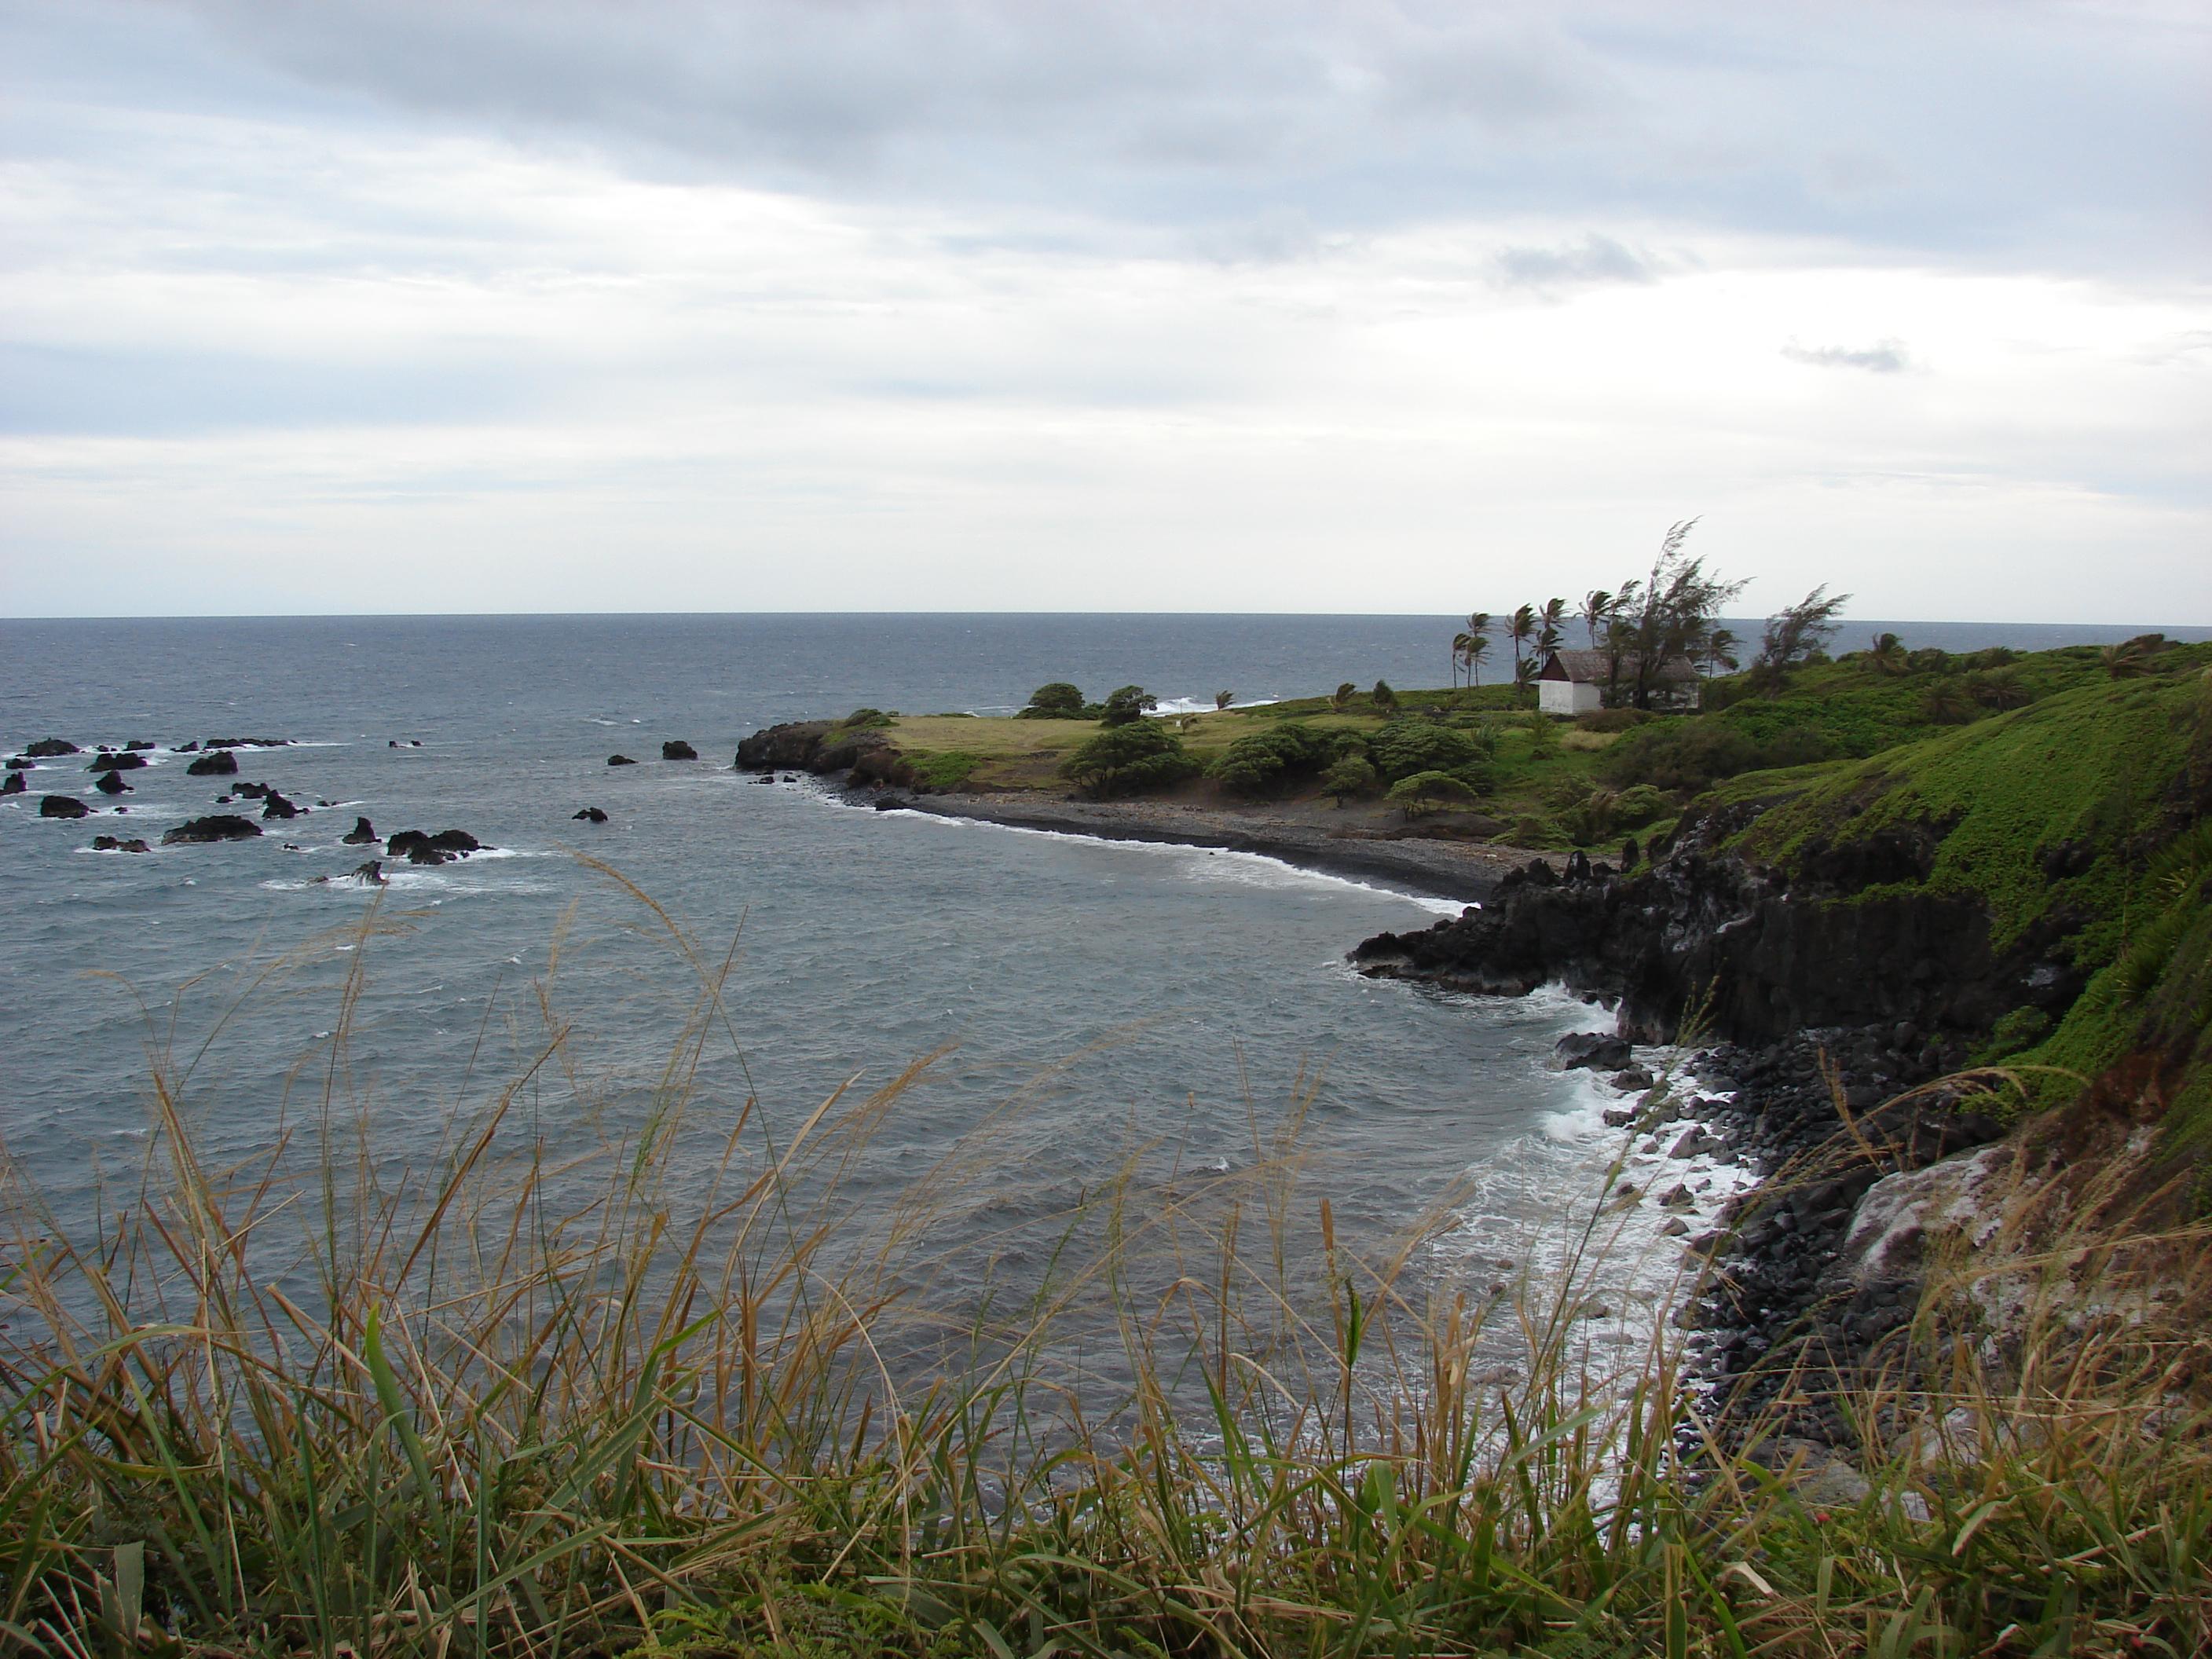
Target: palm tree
column 1223, row 699
column 1887, row 655
column 1597, row 605
column 1548, row 640
column 1524, row 677
column 1343, row 694
column 1520, row 629
column 1720, row 651
column 1464, row 643
column 1472, row 648
column 1946, row 702
column 2122, row 662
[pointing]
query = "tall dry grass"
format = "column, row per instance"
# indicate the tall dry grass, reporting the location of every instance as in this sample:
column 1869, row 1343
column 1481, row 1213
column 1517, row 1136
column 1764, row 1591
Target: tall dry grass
column 521, row 1408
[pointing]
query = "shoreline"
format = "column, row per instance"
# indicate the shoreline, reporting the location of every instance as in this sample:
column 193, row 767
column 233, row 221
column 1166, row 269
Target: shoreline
column 1466, row 872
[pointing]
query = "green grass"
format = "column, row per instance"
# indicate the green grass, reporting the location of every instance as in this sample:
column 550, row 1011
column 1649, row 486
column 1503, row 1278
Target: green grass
column 497, row 1408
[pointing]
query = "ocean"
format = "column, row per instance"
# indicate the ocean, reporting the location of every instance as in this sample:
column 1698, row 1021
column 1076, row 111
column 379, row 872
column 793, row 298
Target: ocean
column 1094, row 1012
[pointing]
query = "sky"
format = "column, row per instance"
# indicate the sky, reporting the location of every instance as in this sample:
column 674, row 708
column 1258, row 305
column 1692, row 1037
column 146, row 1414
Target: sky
column 1102, row 305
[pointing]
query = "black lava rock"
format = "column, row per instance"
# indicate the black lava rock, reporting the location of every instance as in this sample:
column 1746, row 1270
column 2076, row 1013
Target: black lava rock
column 63, row 806
column 219, row 763
column 49, row 748
column 364, row 834
column 111, row 783
column 220, row 826
column 1594, row 1049
column 620, row 760
column 676, row 749
column 116, row 763
column 592, row 815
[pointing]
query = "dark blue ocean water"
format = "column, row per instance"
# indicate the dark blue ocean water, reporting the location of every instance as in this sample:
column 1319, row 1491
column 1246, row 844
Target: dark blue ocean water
column 1094, row 1004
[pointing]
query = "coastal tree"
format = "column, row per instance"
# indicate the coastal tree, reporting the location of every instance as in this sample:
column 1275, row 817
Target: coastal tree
column 1429, row 792
column 1470, row 645
column 1524, row 679
column 2124, row 662
column 1597, row 605
column 1350, row 777
column 1720, row 651
column 1792, row 635
column 1127, row 704
column 1548, row 633
column 1342, row 697
column 1059, row 701
column 1668, row 614
column 1886, row 655
column 1383, row 697
column 1520, row 629
column 1223, row 699
column 1126, row 759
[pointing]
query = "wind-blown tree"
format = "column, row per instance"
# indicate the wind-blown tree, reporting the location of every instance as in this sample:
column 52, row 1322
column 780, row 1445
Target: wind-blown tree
column 1471, row 644
column 2124, row 662
column 1795, row 633
column 1383, row 696
column 1886, row 655
column 1548, row 636
column 1059, row 701
column 1127, row 704
column 1720, row 651
column 1597, row 605
column 1524, row 678
column 1473, row 647
column 1223, row 699
column 1520, row 628
column 1668, row 613
column 1342, row 695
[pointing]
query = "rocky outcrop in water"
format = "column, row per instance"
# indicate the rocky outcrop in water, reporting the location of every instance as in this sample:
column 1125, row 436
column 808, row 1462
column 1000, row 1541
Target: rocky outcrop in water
column 418, row 847
column 220, row 763
column 115, row 760
column 111, row 783
column 865, row 752
column 50, row 749
column 592, row 815
column 620, row 760
column 110, row 844
column 63, row 806
column 676, row 749
column 364, row 834
column 218, row 826
column 14, row 785
column 274, row 805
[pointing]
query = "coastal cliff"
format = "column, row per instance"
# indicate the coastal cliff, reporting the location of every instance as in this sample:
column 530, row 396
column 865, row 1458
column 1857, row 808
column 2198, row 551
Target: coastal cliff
column 2001, row 934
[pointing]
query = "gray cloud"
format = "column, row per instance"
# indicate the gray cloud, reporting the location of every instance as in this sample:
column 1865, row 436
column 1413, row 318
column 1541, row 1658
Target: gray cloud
column 1594, row 259
column 1882, row 357
column 2068, row 136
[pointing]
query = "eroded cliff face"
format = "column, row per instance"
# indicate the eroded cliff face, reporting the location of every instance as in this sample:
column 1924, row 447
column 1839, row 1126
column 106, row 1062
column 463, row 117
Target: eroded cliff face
column 1845, row 940
column 825, row 746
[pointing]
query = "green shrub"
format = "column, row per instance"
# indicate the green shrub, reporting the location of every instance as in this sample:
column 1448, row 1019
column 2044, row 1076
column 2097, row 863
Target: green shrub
column 1125, row 704
column 2023, row 1028
column 1057, row 702
column 1263, row 761
column 1691, row 755
column 1430, row 792
column 1404, row 747
column 1123, row 760
column 1613, row 719
column 1350, row 777
column 1635, row 807
column 864, row 717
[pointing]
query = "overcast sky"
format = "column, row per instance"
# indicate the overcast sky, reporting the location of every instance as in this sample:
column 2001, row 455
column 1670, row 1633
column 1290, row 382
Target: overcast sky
column 1177, row 305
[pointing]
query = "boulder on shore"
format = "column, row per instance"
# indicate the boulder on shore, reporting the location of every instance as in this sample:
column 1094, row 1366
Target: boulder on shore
column 620, row 760
column 216, row 763
column 364, row 834
column 63, row 806
column 50, row 748
column 593, row 815
column 676, row 749
column 1593, row 1049
column 111, row 783
column 219, row 826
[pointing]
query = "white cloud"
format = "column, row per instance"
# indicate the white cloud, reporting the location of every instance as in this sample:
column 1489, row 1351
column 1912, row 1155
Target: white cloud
column 565, row 307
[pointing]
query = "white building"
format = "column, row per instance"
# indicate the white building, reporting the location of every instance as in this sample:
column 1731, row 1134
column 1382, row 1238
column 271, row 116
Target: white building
column 1576, row 682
